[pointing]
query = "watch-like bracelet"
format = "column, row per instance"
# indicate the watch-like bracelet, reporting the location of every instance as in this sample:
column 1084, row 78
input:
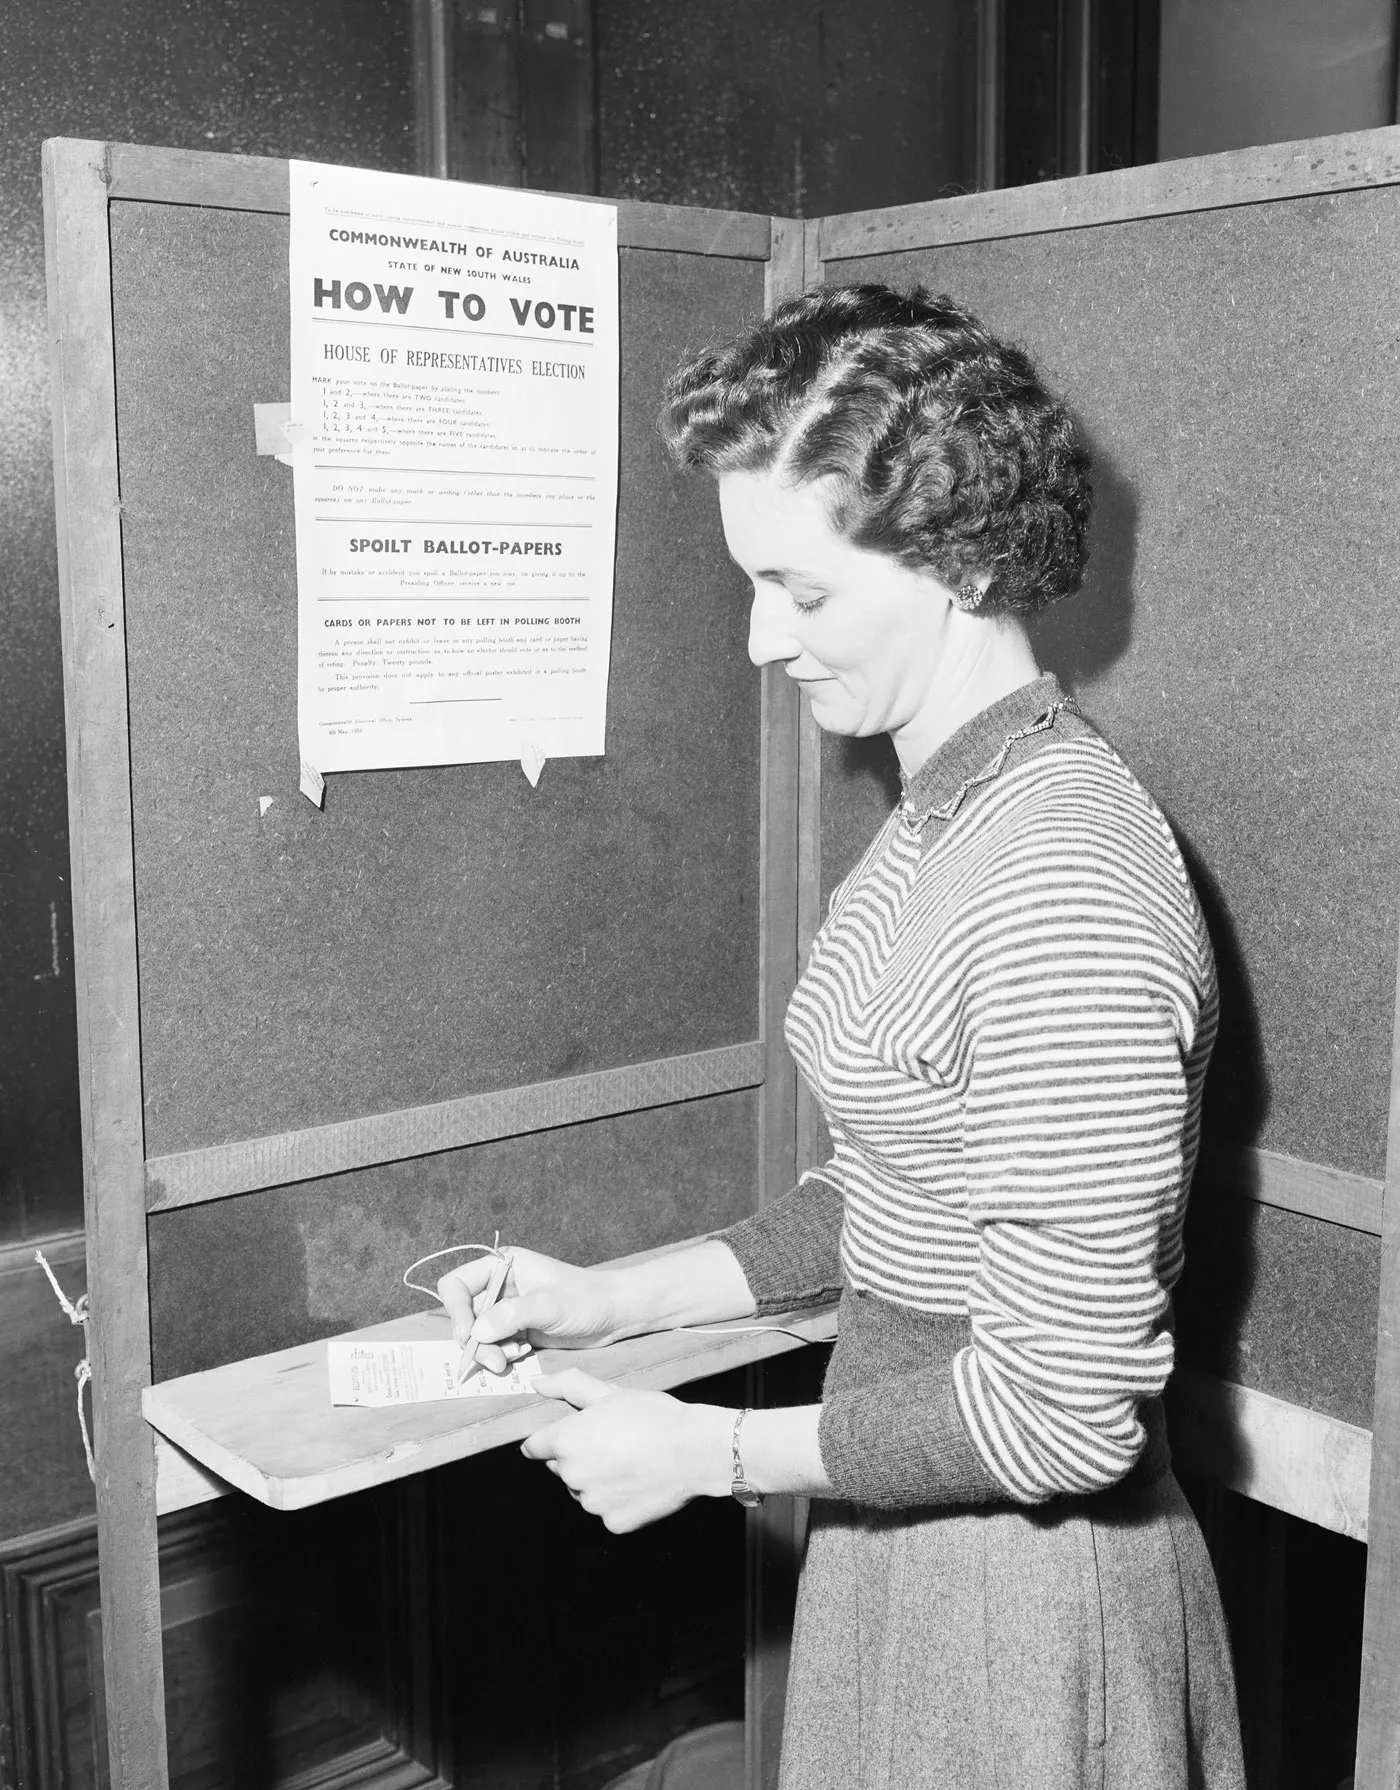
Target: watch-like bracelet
column 738, row 1484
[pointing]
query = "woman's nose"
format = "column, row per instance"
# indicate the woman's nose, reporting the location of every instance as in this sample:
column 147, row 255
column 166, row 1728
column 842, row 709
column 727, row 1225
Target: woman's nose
column 771, row 640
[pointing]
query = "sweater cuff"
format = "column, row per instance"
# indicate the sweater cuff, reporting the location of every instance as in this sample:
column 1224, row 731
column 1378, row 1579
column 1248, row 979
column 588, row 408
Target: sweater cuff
column 902, row 1443
column 790, row 1250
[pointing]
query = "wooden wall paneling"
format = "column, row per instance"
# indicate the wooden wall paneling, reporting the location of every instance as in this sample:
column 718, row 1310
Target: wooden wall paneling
column 39, row 1706
column 257, row 1696
column 1378, row 1730
column 407, row 1623
column 90, row 565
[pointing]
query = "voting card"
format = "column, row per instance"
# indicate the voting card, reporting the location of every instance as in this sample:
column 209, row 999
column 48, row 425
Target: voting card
column 415, row 1372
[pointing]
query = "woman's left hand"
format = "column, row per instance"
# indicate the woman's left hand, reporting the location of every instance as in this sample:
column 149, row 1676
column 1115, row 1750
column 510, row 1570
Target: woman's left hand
column 631, row 1457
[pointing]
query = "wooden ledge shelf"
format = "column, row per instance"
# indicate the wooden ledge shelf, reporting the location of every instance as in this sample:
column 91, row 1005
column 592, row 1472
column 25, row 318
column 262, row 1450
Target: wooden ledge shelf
column 266, row 1426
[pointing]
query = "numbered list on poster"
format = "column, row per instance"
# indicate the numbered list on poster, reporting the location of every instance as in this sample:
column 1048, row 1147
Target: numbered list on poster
column 454, row 416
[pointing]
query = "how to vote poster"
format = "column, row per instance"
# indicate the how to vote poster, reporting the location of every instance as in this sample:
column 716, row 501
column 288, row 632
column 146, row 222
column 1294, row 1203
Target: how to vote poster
column 454, row 414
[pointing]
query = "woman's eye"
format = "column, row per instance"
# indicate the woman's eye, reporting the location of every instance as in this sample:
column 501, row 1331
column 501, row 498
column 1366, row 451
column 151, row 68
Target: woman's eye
column 807, row 605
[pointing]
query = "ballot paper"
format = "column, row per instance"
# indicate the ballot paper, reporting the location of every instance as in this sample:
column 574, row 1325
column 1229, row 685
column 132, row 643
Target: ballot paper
column 454, row 421
column 415, row 1372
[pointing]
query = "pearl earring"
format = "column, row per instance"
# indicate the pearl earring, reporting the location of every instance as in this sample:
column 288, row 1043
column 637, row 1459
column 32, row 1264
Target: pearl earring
column 969, row 596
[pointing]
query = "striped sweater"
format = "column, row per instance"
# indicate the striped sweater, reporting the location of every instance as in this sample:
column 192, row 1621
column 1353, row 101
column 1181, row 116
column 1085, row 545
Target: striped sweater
column 1006, row 1019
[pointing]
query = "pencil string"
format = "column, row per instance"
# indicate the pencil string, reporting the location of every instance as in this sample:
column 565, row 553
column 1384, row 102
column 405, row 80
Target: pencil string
column 82, row 1373
column 744, row 1330
column 452, row 1249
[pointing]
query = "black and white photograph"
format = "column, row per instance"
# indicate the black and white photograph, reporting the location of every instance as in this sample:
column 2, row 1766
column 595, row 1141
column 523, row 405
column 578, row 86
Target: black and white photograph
column 699, row 895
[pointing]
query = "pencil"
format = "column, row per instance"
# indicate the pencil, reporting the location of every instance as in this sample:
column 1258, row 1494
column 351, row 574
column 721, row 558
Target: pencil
column 493, row 1293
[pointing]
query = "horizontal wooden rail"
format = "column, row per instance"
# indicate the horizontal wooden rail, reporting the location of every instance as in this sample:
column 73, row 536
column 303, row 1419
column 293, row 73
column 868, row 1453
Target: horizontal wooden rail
column 1294, row 1185
column 1304, row 1462
column 255, row 183
column 195, row 1176
column 1163, row 189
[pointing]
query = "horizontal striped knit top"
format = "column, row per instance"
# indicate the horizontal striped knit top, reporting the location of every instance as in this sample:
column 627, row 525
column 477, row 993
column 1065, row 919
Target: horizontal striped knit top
column 1006, row 1019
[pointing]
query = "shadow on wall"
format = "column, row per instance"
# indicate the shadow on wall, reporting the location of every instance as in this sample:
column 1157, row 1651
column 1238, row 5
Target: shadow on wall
column 1237, row 1093
column 1213, row 1298
column 1081, row 638
column 1080, row 641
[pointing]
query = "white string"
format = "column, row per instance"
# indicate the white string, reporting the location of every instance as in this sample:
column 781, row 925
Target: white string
column 82, row 1373
column 452, row 1249
column 743, row 1330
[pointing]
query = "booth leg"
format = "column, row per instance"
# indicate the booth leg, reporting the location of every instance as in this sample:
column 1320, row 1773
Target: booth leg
column 133, row 1670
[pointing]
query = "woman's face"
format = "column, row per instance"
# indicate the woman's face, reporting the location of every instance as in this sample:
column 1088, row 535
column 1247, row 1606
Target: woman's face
column 863, row 635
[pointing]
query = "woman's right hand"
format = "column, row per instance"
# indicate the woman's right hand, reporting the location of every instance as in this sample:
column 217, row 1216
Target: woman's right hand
column 545, row 1303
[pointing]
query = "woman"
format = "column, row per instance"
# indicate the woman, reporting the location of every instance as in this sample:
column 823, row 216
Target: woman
column 1006, row 1018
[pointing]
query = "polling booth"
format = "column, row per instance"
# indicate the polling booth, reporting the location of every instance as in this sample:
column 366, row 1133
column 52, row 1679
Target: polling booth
column 318, row 1042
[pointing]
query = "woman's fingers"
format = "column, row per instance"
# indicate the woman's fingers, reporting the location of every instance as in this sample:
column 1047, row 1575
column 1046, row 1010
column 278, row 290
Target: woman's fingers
column 517, row 1316
column 463, row 1292
column 456, row 1294
column 630, row 1457
column 580, row 1389
column 542, row 1446
column 545, row 1302
column 471, row 1275
column 492, row 1358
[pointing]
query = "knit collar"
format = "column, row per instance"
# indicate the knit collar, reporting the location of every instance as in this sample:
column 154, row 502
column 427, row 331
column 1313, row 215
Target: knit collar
column 971, row 754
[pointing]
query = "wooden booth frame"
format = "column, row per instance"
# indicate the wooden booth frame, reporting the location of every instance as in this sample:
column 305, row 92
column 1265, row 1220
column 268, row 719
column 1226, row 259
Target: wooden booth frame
column 1295, row 1458
column 140, row 1473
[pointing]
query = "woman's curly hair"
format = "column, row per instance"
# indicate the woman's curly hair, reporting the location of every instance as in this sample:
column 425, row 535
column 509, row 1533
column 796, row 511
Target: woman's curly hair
column 938, row 442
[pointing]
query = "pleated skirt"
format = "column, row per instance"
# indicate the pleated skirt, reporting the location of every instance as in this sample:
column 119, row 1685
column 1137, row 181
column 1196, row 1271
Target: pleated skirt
column 1076, row 1645
column 1079, row 1649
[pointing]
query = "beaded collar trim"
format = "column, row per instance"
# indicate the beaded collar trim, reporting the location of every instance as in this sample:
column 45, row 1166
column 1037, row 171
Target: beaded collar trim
column 917, row 820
